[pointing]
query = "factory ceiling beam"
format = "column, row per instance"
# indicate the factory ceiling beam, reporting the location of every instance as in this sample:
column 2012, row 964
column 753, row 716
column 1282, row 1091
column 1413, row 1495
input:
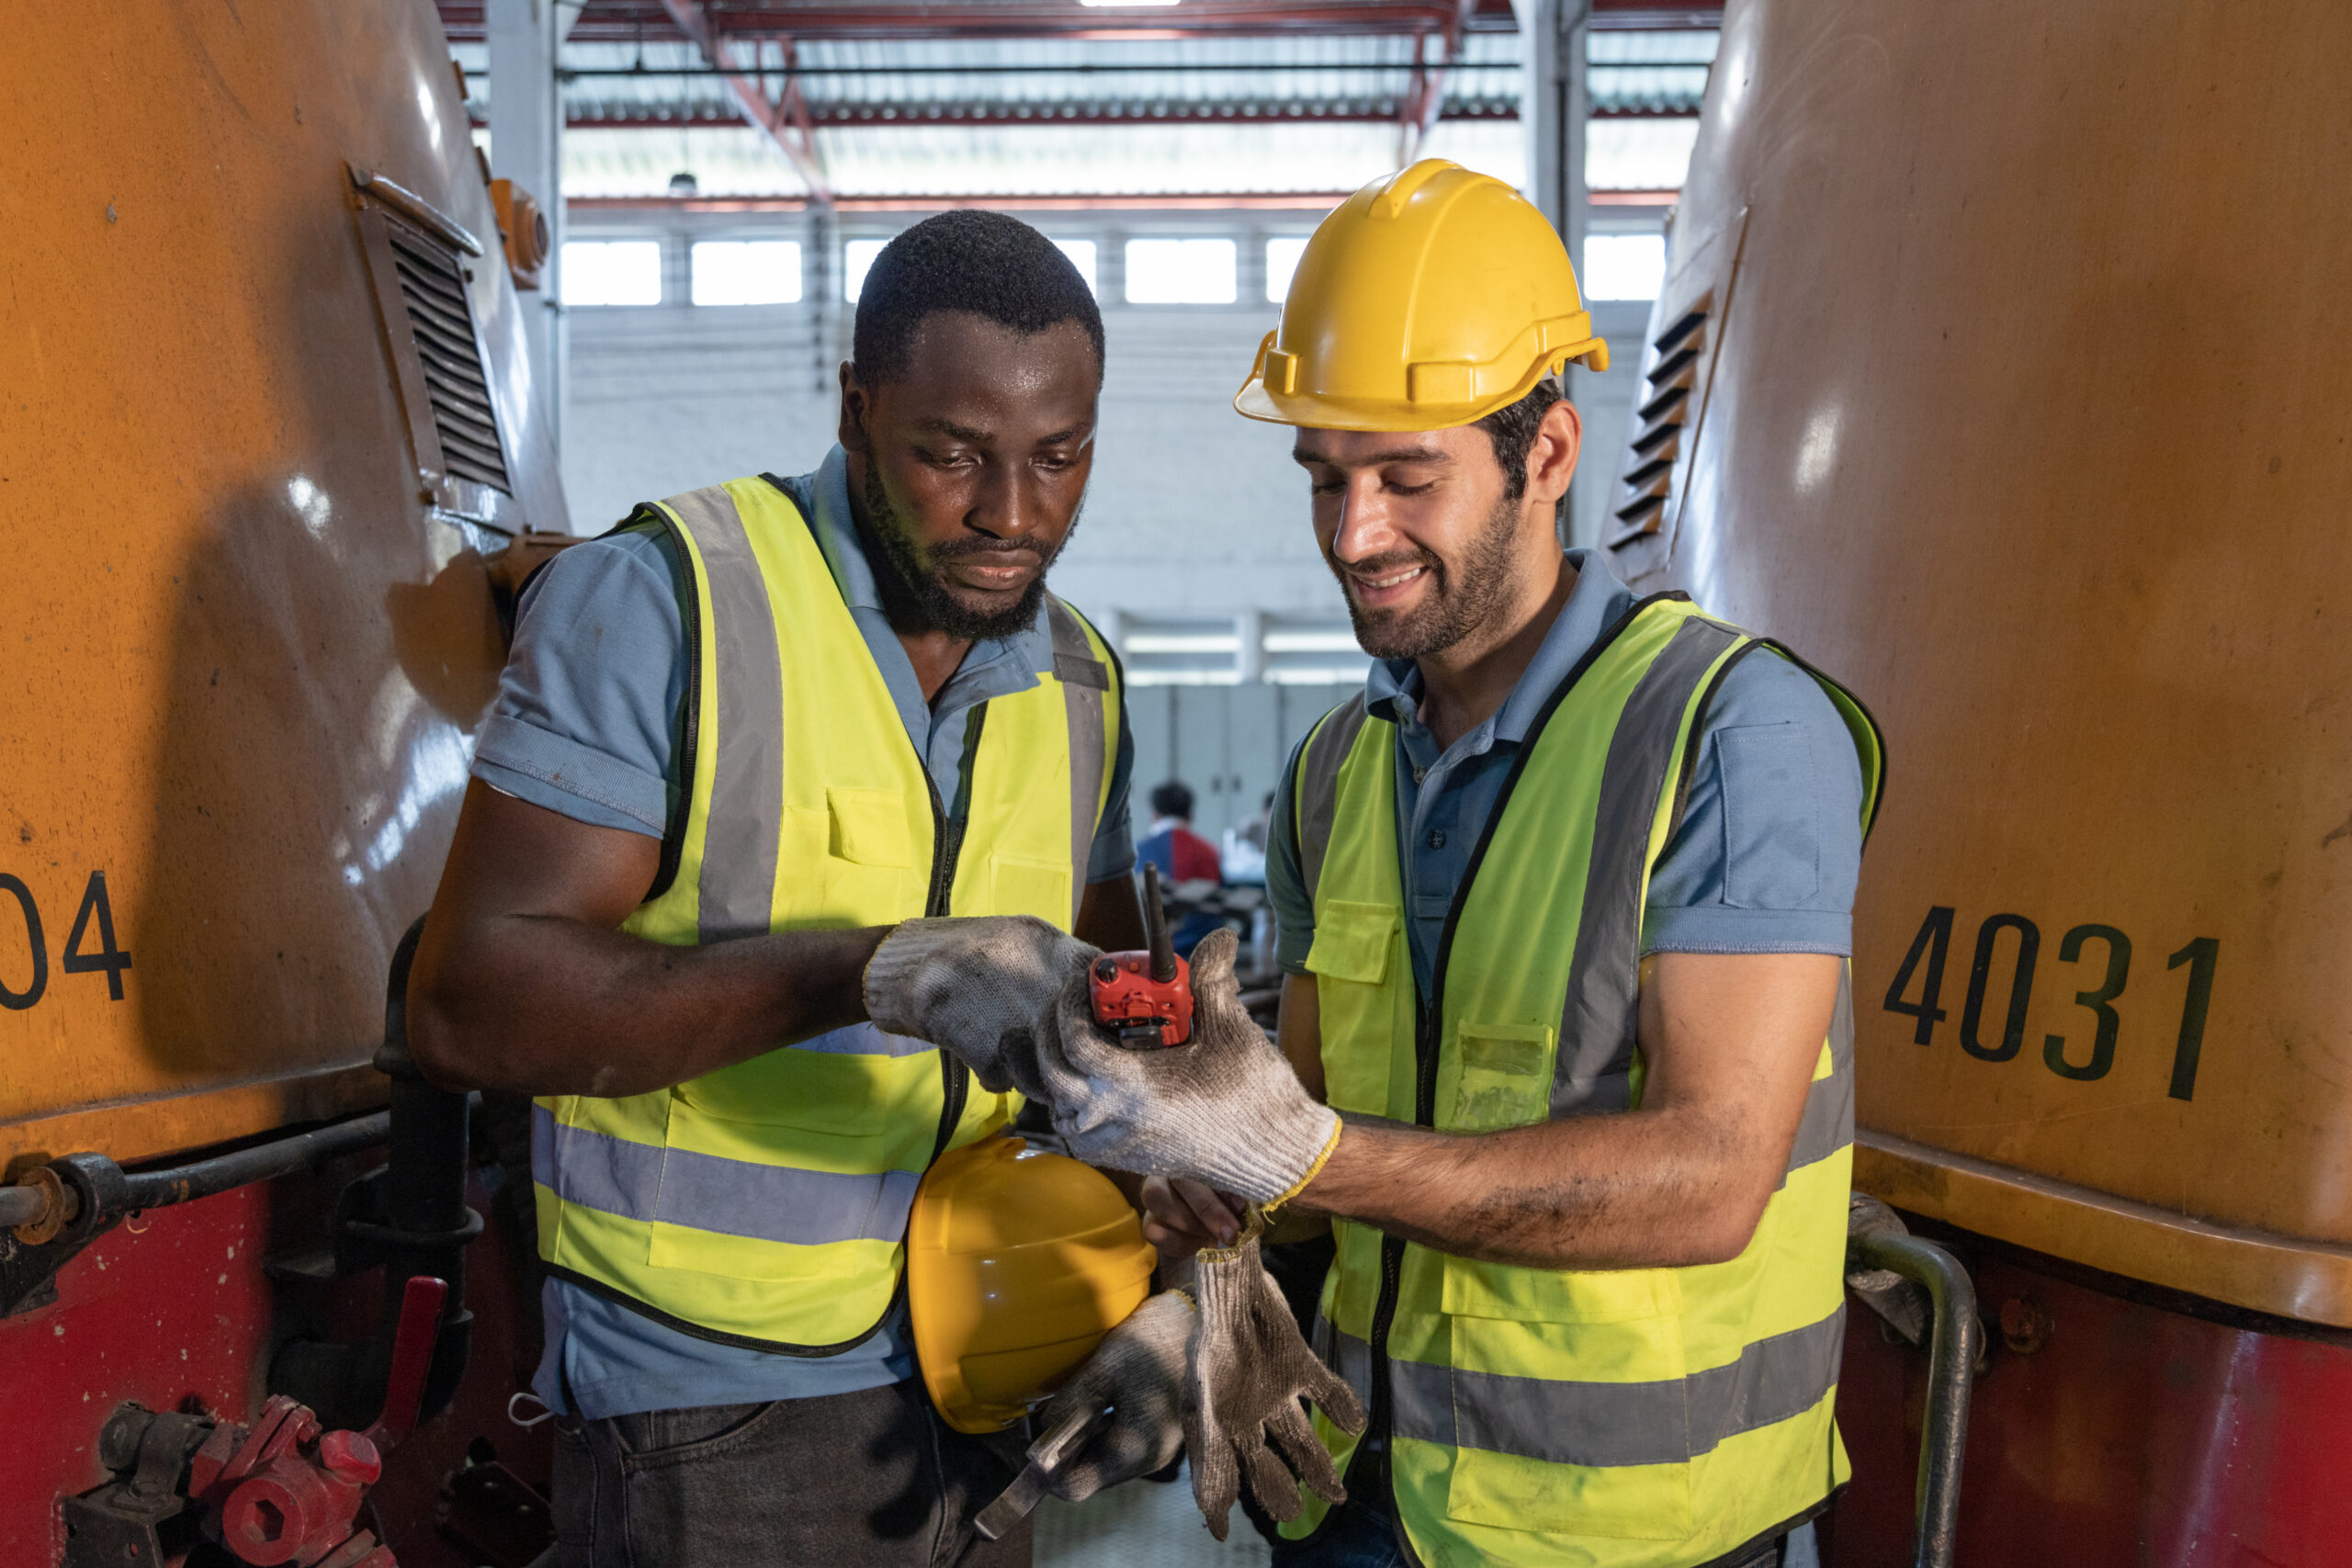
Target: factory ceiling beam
column 1427, row 97
column 784, row 119
column 637, row 115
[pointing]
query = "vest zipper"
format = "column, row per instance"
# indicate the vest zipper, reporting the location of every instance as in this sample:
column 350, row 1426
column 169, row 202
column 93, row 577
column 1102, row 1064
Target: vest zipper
column 956, row 1080
column 1429, row 1024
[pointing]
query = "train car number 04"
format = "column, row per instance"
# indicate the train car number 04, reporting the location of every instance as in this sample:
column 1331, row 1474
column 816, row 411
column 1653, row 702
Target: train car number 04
column 78, row 958
column 1923, row 967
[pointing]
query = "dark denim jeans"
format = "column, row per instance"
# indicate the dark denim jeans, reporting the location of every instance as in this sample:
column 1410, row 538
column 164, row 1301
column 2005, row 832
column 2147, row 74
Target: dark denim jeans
column 868, row 1478
column 1361, row 1535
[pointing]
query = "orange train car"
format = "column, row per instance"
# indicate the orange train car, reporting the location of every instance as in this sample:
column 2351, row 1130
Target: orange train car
column 2002, row 368
column 268, row 439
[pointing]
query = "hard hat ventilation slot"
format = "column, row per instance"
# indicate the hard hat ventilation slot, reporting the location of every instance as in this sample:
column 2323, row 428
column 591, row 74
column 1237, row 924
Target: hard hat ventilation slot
column 1670, row 379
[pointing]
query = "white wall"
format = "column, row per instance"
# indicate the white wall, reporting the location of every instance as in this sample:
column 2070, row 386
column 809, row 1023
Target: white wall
column 1194, row 510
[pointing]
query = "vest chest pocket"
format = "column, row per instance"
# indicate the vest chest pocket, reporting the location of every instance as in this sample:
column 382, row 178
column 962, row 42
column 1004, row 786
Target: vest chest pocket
column 1039, row 888
column 1363, row 1007
column 868, row 826
column 1502, row 1076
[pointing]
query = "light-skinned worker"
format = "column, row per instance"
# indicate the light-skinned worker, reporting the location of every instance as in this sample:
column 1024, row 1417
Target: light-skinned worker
column 1564, row 903
column 738, row 740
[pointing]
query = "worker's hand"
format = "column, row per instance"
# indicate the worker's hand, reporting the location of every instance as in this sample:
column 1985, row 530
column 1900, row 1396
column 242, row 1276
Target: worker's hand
column 1247, row 1372
column 1225, row 1110
column 1138, row 1371
column 1179, row 1217
column 976, row 987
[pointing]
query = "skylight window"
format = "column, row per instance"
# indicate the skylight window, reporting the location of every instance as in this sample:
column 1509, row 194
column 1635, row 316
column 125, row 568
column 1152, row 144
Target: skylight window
column 1181, row 272
column 1081, row 256
column 857, row 260
column 1282, row 260
column 747, row 272
column 612, row 272
column 1624, row 266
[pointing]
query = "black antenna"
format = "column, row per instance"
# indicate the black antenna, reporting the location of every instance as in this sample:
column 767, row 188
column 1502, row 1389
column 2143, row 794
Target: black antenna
column 1155, row 928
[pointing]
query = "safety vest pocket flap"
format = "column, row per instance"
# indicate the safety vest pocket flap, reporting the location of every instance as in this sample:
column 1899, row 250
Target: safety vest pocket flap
column 1480, row 1289
column 1022, row 887
column 1504, row 1076
column 869, row 827
column 1355, row 941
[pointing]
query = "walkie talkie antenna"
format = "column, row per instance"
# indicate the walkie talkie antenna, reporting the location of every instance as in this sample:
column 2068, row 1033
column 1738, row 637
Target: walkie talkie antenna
column 1155, row 928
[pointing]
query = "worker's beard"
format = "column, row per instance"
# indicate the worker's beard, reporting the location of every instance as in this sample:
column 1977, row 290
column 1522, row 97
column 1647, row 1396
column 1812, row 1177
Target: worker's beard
column 1462, row 595
column 915, row 594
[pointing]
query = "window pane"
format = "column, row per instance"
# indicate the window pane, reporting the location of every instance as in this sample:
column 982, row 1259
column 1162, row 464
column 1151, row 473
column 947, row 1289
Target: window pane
column 1624, row 266
column 612, row 272
column 1181, row 272
column 747, row 272
column 1282, row 260
column 1081, row 256
column 857, row 260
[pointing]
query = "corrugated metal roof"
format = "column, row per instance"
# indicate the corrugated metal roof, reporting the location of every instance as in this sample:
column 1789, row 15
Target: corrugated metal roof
column 1073, row 116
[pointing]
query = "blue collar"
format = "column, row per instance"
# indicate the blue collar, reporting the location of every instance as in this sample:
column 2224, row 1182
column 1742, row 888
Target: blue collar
column 1393, row 688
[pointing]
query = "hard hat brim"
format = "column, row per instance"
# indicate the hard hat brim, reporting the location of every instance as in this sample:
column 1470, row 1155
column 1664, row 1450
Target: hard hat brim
column 1257, row 400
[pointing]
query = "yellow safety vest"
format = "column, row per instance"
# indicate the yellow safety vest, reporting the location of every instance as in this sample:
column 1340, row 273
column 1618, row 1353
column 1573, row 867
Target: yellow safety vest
column 1634, row 1418
column 766, row 1203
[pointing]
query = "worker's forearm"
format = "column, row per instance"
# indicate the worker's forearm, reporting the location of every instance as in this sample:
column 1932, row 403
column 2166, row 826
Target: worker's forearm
column 546, row 1005
column 1636, row 1190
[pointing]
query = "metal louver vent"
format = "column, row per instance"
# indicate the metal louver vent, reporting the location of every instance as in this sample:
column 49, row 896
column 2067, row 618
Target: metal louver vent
column 440, row 316
column 1668, row 409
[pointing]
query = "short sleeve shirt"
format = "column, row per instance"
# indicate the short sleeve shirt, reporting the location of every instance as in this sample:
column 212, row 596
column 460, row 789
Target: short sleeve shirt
column 1765, row 858
column 586, row 724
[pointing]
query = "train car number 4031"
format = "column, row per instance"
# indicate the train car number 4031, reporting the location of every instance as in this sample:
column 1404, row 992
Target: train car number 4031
column 77, row 959
column 1923, row 967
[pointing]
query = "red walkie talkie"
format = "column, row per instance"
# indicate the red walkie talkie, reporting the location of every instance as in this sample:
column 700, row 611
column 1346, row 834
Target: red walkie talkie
column 1145, row 998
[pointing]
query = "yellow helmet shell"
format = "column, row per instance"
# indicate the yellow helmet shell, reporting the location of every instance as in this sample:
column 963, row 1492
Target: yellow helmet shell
column 1430, row 298
column 1018, row 1263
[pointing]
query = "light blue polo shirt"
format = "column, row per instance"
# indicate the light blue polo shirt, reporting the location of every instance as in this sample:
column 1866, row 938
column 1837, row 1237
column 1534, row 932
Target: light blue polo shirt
column 586, row 724
column 1770, row 843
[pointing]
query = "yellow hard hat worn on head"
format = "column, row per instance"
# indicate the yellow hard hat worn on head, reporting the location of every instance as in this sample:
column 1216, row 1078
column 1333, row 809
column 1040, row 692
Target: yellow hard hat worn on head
column 1018, row 1263
column 1431, row 297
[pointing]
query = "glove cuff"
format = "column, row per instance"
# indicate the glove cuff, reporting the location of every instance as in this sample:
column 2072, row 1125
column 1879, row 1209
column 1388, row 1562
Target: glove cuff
column 888, row 986
column 1284, row 1152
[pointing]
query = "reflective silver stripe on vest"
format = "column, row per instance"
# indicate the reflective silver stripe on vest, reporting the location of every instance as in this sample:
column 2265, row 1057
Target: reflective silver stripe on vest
column 1828, row 1123
column 1086, row 698
column 765, row 1203
column 1318, row 783
column 1672, row 1421
column 741, row 835
column 1594, row 1070
column 864, row 1040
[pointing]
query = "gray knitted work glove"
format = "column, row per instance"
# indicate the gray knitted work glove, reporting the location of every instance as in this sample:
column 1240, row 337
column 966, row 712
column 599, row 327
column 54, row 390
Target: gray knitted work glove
column 1248, row 1370
column 1225, row 1109
column 1138, row 1371
column 976, row 987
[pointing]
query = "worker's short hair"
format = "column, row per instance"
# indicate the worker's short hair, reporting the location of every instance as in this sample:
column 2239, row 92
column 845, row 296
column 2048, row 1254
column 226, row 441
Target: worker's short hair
column 1512, row 429
column 995, row 266
column 1173, row 799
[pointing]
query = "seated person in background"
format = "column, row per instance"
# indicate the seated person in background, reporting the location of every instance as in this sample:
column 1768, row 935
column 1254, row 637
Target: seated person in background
column 1181, row 855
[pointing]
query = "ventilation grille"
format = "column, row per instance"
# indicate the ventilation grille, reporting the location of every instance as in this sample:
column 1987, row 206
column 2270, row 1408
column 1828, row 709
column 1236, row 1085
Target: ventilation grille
column 440, row 317
column 1669, row 411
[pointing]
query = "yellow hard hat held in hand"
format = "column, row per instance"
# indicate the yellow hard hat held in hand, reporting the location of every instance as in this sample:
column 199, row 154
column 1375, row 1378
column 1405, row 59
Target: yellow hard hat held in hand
column 1431, row 297
column 1018, row 1263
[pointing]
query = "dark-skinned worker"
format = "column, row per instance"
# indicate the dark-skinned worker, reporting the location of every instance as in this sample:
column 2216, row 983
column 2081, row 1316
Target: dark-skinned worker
column 1566, row 899
column 738, row 740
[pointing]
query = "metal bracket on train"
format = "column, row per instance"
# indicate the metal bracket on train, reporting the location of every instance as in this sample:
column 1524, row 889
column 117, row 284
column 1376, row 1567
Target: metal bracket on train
column 56, row 1210
column 1924, row 1293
